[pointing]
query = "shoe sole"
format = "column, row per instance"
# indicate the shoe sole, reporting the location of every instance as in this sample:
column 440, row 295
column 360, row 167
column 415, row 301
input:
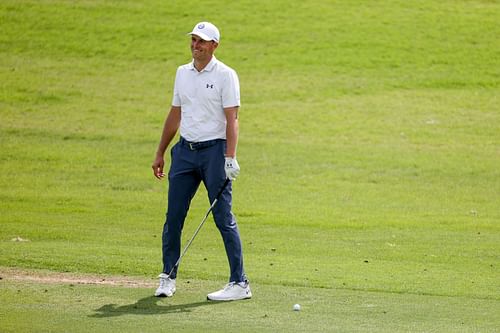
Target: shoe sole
column 165, row 295
column 229, row 299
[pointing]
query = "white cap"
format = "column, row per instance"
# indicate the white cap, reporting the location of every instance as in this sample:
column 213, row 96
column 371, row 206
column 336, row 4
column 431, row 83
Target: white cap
column 206, row 31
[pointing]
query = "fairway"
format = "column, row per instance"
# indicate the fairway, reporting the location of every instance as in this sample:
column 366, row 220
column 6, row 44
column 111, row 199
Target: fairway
column 369, row 148
column 94, row 308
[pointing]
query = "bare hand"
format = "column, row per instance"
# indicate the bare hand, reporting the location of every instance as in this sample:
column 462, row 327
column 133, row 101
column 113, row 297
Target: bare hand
column 157, row 166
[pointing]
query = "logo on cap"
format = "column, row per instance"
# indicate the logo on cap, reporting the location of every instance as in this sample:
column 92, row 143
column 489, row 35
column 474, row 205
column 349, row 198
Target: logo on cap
column 201, row 26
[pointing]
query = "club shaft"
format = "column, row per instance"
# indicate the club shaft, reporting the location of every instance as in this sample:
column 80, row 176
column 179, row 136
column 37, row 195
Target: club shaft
column 199, row 227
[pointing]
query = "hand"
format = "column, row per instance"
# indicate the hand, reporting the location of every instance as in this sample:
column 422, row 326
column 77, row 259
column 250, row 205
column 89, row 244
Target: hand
column 232, row 168
column 157, row 166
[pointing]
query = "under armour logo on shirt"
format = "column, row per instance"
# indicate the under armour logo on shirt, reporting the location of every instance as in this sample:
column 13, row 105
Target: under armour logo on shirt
column 211, row 86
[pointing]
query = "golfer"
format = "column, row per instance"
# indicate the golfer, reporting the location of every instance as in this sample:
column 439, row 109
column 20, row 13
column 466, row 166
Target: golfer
column 205, row 105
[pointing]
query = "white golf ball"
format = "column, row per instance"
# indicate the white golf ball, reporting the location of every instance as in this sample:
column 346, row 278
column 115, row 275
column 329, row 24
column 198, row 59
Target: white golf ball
column 296, row 307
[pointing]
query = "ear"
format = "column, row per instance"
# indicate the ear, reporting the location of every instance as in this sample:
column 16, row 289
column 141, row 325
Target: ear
column 215, row 45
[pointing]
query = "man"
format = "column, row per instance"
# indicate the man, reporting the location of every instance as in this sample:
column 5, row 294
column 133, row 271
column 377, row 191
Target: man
column 204, row 107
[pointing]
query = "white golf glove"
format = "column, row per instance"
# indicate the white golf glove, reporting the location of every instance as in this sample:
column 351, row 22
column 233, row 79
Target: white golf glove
column 232, row 168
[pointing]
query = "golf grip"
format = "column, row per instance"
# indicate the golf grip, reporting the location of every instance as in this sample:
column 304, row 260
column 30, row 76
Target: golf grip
column 201, row 224
column 222, row 188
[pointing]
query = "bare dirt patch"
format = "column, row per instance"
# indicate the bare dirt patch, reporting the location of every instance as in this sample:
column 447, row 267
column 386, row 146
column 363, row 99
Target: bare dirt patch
column 43, row 276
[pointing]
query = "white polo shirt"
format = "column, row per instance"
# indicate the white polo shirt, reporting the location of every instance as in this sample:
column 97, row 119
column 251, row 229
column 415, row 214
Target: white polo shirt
column 202, row 97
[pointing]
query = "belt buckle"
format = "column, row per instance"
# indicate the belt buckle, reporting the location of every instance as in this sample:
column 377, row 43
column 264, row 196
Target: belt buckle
column 191, row 146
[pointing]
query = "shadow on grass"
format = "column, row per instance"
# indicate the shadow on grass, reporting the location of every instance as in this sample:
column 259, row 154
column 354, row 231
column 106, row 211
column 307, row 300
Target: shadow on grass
column 145, row 306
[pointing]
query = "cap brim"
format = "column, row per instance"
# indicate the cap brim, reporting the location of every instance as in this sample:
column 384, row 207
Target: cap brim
column 201, row 35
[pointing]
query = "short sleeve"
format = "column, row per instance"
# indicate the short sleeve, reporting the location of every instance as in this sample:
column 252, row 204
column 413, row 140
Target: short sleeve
column 176, row 100
column 231, row 90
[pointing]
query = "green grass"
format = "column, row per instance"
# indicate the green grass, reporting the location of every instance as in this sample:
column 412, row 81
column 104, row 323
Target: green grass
column 84, row 308
column 369, row 147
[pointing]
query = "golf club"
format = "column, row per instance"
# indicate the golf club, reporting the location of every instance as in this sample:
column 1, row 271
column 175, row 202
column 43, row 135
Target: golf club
column 199, row 227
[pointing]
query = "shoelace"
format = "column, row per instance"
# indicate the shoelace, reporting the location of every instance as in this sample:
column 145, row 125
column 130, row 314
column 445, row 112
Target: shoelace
column 232, row 284
column 229, row 286
column 163, row 282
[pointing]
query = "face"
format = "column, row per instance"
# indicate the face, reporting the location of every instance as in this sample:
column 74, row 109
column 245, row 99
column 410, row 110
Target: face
column 202, row 50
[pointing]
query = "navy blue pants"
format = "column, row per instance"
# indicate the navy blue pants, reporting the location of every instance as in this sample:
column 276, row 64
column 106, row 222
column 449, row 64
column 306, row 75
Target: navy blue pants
column 191, row 164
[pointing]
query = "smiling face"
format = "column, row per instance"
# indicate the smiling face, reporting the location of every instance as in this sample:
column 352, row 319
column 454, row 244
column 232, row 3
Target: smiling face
column 201, row 49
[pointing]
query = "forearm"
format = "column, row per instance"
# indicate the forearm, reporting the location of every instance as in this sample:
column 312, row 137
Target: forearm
column 232, row 131
column 170, row 128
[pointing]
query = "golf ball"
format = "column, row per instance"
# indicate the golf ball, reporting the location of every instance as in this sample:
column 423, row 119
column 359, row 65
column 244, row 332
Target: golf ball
column 296, row 307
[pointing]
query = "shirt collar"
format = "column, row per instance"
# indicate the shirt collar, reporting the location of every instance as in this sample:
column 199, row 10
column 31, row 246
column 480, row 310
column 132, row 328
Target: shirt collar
column 209, row 67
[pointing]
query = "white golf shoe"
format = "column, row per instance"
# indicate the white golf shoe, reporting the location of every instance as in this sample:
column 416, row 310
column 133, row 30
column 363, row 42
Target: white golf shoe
column 232, row 292
column 167, row 286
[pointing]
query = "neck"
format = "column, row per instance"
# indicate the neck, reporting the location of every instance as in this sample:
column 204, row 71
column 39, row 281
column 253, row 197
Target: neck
column 201, row 64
